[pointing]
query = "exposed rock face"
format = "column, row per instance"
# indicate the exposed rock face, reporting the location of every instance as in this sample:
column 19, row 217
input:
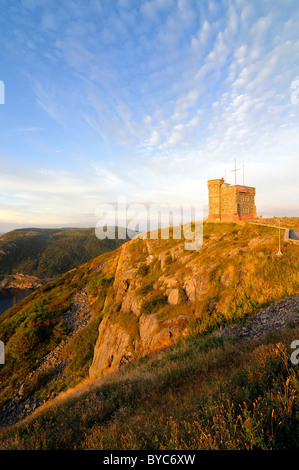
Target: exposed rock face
column 112, row 349
column 164, row 338
column 21, row 281
column 195, row 288
column 115, row 347
column 173, row 296
column 148, row 326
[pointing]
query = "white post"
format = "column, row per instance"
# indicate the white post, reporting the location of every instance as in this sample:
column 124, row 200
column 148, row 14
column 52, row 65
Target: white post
column 279, row 251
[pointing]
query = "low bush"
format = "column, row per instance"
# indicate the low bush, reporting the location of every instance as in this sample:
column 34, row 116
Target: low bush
column 153, row 304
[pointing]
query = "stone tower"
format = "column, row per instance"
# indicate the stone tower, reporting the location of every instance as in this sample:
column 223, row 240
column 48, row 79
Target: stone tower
column 230, row 202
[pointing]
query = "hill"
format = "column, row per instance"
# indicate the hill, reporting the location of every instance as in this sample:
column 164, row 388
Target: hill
column 286, row 222
column 46, row 253
column 146, row 326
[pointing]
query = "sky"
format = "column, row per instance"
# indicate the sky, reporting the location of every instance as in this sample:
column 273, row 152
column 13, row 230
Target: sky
column 145, row 100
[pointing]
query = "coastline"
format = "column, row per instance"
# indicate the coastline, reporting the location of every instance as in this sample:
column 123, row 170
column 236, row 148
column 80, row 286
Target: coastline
column 21, row 281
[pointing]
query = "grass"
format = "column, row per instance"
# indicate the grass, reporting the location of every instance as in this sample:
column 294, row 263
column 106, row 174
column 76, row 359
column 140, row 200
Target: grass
column 206, row 393
column 153, row 304
column 232, row 280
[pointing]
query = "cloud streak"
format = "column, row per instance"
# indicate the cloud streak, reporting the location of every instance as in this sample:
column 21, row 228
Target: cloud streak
column 150, row 95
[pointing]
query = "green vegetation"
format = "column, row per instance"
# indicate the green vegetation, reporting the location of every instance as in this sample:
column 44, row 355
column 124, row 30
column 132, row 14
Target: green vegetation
column 30, row 334
column 206, row 393
column 47, row 253
column 153, row 304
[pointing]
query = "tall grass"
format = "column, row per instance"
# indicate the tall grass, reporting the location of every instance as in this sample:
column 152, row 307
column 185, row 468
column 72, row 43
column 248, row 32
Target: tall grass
column 203, row 394
column 238, row 279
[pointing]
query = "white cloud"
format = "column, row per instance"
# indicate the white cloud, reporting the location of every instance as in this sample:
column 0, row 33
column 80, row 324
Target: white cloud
column 170, row 91
column 154, row 138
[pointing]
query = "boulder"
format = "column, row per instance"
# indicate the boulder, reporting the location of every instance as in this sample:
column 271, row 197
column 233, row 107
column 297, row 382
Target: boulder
column 173, row 296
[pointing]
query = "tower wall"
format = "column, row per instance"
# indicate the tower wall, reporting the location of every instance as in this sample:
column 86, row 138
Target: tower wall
column 230, row 202
column 215, row 198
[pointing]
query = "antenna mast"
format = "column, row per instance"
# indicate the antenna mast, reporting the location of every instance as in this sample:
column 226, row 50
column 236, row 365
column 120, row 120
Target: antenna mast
column 235, row 170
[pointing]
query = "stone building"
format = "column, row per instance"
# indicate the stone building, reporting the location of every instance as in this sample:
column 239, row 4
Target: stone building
column 230, row 202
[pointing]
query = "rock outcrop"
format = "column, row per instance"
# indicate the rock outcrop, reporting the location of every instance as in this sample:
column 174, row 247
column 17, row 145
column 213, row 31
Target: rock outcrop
column 158, row 288
column 114, row 348
column 21, row 281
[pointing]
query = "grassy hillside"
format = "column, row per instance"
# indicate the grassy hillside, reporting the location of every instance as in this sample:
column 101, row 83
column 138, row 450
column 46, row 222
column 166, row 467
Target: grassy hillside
column 47, row 253
column 204, row 394
column 121, row 309
column 286, row 222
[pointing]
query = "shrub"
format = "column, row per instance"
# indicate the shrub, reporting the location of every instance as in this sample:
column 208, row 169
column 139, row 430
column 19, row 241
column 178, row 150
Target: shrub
column 154, row 304
column 145, row 289
column 24, row 341
column 143, row 270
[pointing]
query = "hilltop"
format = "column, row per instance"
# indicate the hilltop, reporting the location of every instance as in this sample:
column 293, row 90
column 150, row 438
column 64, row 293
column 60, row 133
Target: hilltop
column 109, row 320
column 46, row 253
column 286, row 222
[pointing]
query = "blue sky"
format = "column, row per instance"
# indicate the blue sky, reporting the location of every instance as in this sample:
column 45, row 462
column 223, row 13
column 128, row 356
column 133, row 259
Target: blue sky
column 146, row 100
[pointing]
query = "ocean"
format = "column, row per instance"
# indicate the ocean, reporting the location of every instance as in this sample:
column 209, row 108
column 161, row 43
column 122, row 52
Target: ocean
column 11, row 296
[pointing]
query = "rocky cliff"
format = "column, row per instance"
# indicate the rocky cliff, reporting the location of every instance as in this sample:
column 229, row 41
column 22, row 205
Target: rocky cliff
column 162, row 292
column 135, row 330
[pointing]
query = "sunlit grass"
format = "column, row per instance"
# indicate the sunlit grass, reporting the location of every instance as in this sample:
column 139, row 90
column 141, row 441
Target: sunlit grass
column 238, row 279
column 217, row 395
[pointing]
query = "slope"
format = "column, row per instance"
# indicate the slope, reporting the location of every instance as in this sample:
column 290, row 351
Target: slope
column 129, row 304
column 46, row 253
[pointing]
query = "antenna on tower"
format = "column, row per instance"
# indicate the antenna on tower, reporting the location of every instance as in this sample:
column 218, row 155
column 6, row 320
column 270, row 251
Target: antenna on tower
column 235, row 170
column 243, row 176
